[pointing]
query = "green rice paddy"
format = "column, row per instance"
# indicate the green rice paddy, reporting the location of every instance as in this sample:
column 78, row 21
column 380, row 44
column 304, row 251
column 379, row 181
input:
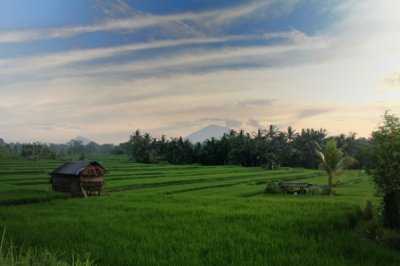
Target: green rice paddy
column 190, row 215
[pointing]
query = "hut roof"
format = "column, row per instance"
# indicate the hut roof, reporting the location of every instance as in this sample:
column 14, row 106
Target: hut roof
column 74, row 167
column 286, row 184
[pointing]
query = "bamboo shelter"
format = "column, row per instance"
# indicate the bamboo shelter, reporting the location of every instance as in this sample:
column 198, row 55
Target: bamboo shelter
column 298, row 188
column 80, row 178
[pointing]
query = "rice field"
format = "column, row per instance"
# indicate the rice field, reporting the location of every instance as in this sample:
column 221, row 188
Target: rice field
column 190, row 215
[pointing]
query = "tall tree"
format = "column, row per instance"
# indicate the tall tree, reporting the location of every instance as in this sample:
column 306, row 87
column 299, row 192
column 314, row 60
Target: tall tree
column 305, row 145
column 179, row 151
column 333, row 161
column 386, row 152
column 291, row 134
column 141, row 147
column 4, row 150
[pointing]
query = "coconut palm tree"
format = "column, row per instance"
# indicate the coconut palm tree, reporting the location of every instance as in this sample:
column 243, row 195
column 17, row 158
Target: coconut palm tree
column 333, row 161
column 291, row 134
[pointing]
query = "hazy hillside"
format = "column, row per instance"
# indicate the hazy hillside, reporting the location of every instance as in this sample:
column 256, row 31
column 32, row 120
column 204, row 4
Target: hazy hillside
column 83, row 140
column 207, row 133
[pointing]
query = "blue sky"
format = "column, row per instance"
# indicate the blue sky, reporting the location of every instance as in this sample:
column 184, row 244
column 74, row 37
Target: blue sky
column 102, row 69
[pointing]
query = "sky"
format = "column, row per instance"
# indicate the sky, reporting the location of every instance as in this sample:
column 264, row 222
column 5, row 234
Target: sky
column 102, row 69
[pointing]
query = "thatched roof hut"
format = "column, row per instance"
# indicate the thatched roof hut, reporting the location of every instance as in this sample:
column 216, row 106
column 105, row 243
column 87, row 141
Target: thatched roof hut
column 79, row 178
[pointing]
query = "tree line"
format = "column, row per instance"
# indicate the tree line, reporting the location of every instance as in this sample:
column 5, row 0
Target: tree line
column 38, row 150
column 269, row 148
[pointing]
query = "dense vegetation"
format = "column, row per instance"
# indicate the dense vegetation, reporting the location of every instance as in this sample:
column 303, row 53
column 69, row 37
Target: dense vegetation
column 387, row 168
column 268, row 148
column 190, row 214
column 37, row 150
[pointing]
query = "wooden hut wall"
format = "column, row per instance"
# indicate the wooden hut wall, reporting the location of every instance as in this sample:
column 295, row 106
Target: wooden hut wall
column 69, row 184
column 76, row 190
column 62, row 183
column 92, row 170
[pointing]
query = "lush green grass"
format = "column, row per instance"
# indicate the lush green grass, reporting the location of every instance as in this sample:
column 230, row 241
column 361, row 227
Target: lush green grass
column 13, row 255
column 190, row 215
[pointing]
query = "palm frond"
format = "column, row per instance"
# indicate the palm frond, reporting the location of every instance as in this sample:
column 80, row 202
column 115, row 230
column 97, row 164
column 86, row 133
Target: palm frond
column 320, row 155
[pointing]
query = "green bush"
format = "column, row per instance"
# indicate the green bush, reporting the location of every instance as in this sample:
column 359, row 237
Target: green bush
column 273, row 188
column 375, row 230
column 368, row 210
column 392, row 239
column 386, row 157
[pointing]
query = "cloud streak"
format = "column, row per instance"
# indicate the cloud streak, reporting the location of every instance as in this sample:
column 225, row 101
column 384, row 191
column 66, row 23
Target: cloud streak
column 209, row 57
column 49, row 61
column 254, row 123
column 310, row 112
column 215, row 17
column 393, row 81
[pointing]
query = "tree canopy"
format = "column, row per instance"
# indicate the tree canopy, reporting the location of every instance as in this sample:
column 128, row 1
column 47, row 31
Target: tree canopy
column 333, row 161
column 269, row 148
column 386, row 158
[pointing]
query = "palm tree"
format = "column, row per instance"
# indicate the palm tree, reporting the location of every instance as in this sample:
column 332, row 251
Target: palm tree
column 290, row 134
column 272, row 131
column 333, row 162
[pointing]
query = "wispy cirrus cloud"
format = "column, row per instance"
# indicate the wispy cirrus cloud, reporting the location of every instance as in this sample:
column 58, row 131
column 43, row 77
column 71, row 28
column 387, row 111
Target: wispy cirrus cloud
column 264, row 55
column 48, row 63
column 171, row 29
column 393, row 80
column 233, row 123
column 214, row 17
column 310, row 112
column 51, row 127
column 256, row 102
column 388, row 84
column 51, row 60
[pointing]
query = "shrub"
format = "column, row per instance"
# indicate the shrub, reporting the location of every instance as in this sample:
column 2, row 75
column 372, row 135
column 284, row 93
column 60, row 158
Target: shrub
column 273, row 188
column 392, row 239
column 386, row 157
column 375, row 230
column 368, row 210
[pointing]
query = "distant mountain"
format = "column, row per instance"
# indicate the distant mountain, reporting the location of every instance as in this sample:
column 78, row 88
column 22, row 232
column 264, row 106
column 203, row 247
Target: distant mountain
column 207, row 133
column 84, row 140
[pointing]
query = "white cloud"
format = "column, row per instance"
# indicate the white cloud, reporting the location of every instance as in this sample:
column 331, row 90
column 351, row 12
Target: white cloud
column 213, row 57
column 217, row 17
column 214, row 17
column 50, row 61
column 393, row 80
column 255, row 124
column 233, row 123
column 58, row 59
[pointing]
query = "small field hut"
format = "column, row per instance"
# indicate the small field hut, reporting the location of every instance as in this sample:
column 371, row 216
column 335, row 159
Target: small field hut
column 80, row 178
